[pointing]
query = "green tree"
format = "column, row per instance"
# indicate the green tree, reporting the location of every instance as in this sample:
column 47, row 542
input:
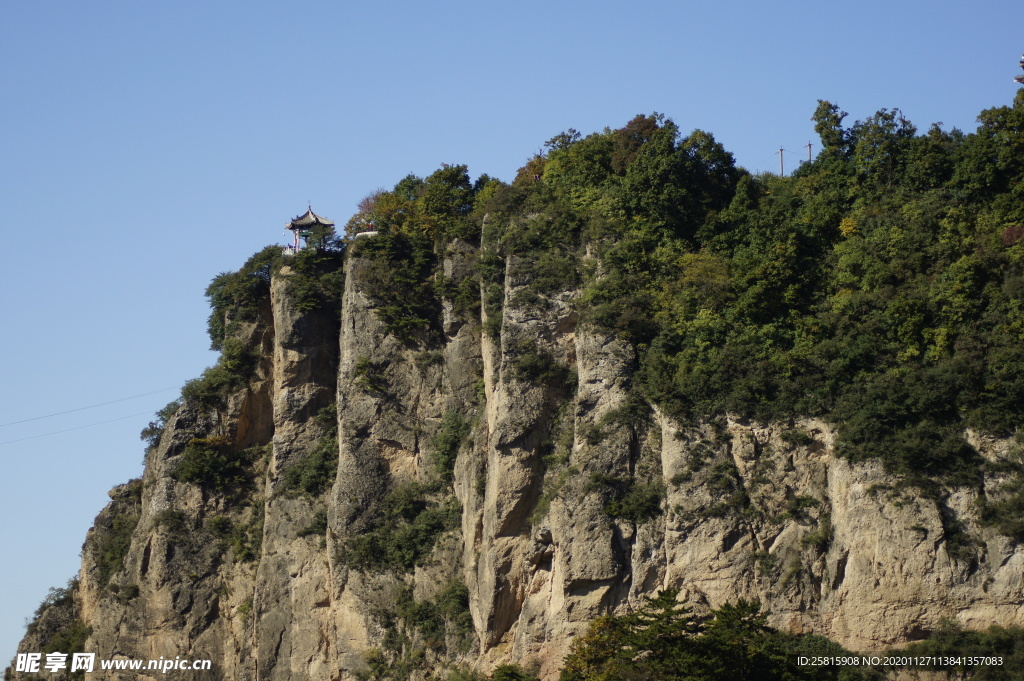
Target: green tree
column 828, row 124
column 881, row 146
column 665, row 641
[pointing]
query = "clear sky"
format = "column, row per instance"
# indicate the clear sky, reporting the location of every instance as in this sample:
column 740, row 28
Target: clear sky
column 148, row 146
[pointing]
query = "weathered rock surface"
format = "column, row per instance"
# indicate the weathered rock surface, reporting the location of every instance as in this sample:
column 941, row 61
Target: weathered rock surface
column 255, row 578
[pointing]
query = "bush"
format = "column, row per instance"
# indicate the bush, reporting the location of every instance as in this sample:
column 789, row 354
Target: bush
column 151, row 433
column 453, row 605
column 629, row 499
column 512, row 672
column 369, row 377
column 821, row 538
column 233, row 370
column 247, row 540
column 398, row 279
column 548, row 272
column 238, row 296
column 318, row 277
column 664, row 641
column 442, row 620
column 530, row 364
column 112, row 544
column 1003, row 509
column 464, row 674
column 797, row 506
column 69, row 640
column 316, row 526
column 1005, row 515
column 429, row 358
column 124, row 593
column 446, row 443
column 723, row 481
column 57, row 624
column 58, row 597
column 407, row 526
column 463, row 293
column 220, row 526
column 314, row 473
column 172, row 520
column 491, row 267
column 797, row 437
column 951, row 641
column 211, row 464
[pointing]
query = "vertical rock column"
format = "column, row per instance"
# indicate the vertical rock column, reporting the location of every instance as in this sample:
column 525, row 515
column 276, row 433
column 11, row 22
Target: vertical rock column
column 377, row 442
column 292, row 595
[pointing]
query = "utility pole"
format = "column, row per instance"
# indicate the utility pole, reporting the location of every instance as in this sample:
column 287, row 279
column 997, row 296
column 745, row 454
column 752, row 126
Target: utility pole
column 808, row 152
column 782, row 173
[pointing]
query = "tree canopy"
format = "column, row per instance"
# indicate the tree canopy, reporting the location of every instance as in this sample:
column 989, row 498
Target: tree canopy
column 880, row 286
column 664, row 640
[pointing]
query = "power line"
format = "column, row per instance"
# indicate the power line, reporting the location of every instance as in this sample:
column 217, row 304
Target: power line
column 91, row 406
column 68, row 430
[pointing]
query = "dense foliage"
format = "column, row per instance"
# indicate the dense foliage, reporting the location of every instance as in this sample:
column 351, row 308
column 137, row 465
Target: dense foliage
column 446, row 441
column 881, row 286
column 407, row 523
column 233, row 369
column 243, row 538
column 878, row 287
column 238, row 296
column 663, row 640
column 413, row 221
column 400, row 282
column 155, row 429
column 214, row 464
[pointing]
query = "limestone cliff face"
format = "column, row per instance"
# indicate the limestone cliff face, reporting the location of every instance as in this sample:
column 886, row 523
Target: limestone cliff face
column 573, row 500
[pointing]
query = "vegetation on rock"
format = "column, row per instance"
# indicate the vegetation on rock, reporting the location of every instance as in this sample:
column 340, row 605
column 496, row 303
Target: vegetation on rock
column 407, row 523
column 113, row 532
column 213, row 464
column 57, row 625
column 314, row 473
column 879, row 288
column 446, row 442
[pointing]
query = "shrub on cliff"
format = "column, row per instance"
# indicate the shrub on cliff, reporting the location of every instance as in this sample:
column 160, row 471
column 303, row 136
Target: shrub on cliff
column 318, row 277
column 213, row 464
column 314, row 473
column 446, row 442
column 238, row 296
column 58, row 625
column 398, row 278
column 234, row 368
column 155, row 429
column 408, row 523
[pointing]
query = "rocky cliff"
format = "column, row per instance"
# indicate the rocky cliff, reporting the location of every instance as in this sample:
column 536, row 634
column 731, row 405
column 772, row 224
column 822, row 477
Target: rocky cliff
column 366, row 499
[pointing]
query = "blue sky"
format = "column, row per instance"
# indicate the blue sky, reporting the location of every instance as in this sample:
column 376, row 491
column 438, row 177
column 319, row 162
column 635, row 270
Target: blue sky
column 148, row 146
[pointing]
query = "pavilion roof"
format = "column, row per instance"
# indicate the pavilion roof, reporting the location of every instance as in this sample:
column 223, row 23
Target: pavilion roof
column 308, row 219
